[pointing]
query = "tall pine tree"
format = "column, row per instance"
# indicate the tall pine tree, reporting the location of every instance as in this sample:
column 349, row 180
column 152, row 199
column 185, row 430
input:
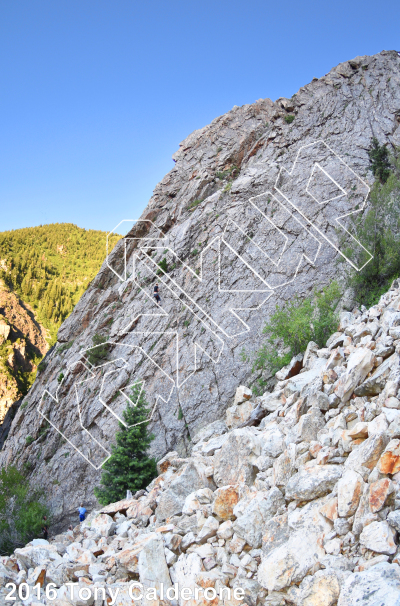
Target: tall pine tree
column 129, row 467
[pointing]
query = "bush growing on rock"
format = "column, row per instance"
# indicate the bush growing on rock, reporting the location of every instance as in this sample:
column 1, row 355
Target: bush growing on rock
column 129, row 467
column 293, row 327
column 21, row 512
column 99, row 351
column 378, row 229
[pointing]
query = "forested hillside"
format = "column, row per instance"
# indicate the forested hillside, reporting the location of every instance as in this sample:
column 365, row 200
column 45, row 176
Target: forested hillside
column 43, row 272
column 50, row 267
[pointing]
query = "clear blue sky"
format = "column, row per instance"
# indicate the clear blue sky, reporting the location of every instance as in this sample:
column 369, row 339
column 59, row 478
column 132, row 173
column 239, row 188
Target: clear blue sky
column 95, row 95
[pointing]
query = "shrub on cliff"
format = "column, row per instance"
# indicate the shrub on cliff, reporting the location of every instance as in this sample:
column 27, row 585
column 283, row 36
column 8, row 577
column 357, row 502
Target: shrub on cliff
column 129, row 467
column 300, row 321
column 99, row 350
column 378, row 229
column 21, row 512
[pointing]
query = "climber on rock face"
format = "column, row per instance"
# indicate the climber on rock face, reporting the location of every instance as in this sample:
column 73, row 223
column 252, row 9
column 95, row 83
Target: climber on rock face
column 82, row 513
column 156, row 294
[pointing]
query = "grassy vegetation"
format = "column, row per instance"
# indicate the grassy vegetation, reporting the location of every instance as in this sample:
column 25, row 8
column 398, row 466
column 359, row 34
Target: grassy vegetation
column 230, row 173
column 193, row 204
column 289, row 119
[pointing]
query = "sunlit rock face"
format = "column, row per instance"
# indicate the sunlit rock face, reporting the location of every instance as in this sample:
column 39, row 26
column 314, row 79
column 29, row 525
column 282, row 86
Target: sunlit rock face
column 253, row 212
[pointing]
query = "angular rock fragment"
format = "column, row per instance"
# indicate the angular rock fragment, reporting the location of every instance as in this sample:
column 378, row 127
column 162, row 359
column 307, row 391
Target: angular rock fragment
column 364, row 458
column 313, row 482
column 251, row 523
column 190, row 478
column 242, row 394
column 350, row 489
column 283, row 469
column 379, row 537
column 225, row 500
column 359, row 365
column 379, row 493
column 390, row 459
column 153, row 569
column 234, row 462
column 379, row 585
column 375, row 384
column 290, row 561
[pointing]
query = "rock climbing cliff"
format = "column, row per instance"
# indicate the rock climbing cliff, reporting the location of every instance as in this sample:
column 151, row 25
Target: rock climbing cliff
column 254, row 211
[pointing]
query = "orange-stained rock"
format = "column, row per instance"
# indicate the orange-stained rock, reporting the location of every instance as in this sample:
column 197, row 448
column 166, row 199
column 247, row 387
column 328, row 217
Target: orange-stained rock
column 314, row 449
column 350, row 489
column 86, row 557
column 329, row 376
column 238, row 414
column 11, row 564
column 225, row 500
column 295, row 412
column 120, row 506
column 129, row 558
column 165, row 528
column 378, row 493
column 365, row 457
column 324, row 455
column 390, row 459
column 330, row 509
column 151, row 498
column 39, row 575
column 360, row 430
column 363, row 515
column 165, row 462
column 211, row 579
column 346, row 441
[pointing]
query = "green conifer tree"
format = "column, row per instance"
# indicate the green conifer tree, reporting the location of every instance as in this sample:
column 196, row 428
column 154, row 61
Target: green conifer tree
column 379, row 160
column 129, row 467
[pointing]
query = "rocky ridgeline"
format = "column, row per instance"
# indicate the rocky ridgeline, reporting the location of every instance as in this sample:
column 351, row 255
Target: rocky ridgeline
column 295, row 498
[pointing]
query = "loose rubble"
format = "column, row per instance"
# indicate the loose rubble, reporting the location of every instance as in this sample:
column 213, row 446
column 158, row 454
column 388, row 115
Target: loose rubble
column 302, row 509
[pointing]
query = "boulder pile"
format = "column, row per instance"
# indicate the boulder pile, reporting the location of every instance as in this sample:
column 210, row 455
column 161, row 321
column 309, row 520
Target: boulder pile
column 294, row 498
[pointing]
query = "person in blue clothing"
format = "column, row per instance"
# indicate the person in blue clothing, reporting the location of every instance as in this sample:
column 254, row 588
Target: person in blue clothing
column 82, row 513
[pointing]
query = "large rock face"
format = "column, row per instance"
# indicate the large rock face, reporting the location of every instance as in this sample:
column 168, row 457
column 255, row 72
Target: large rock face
column 263, row 234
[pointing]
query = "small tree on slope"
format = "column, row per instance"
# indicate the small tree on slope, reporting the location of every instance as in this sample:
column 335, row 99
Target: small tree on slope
column 129, row 467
